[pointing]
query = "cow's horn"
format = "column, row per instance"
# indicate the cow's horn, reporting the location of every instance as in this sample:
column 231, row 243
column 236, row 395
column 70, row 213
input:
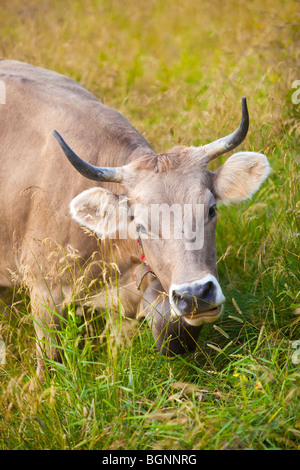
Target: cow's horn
column 89, row 171
column 220, row 146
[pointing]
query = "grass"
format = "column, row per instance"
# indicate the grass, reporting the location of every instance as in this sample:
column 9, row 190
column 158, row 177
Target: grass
column 177, row 70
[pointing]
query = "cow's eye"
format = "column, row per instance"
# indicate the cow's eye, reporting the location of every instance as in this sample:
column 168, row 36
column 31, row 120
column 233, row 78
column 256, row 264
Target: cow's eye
column 212, row 211
column 140, row 228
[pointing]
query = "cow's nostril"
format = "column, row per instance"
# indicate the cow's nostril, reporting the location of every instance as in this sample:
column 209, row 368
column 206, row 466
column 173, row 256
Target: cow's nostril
column 207, row 291
column 177, row 297
column 183, row 300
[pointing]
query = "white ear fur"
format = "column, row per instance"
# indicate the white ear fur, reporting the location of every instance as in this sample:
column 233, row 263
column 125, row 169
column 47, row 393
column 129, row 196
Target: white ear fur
column 240, row 176
column 101, row 211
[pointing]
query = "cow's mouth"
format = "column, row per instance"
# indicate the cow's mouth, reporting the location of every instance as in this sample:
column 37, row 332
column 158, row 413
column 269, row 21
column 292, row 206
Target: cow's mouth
column 200, row 318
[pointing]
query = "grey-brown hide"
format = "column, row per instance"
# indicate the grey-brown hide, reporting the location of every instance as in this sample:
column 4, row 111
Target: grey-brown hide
column 43, row 247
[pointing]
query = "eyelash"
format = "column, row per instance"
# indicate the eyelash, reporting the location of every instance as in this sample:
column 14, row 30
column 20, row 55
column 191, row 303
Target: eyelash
column 212, row 212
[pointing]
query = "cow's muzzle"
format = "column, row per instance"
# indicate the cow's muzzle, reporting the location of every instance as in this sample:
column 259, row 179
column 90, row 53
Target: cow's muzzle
column 197, row 302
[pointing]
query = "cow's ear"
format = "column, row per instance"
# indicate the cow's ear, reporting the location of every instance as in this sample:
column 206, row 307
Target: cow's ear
column 240, row 176
column 101, row 211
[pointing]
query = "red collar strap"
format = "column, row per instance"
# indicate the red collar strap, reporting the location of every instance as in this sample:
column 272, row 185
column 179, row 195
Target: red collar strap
column 142, row 257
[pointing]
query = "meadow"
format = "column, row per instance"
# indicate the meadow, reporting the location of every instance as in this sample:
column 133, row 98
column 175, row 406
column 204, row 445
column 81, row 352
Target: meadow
column 177, row 71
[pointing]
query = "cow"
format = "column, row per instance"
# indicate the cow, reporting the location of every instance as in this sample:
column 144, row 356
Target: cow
column 50, row 210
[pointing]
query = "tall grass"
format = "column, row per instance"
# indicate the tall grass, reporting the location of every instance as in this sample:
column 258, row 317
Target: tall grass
column 177, row 70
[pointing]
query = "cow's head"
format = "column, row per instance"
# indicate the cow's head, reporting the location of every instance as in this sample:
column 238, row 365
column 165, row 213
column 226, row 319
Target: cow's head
column 176, row 186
